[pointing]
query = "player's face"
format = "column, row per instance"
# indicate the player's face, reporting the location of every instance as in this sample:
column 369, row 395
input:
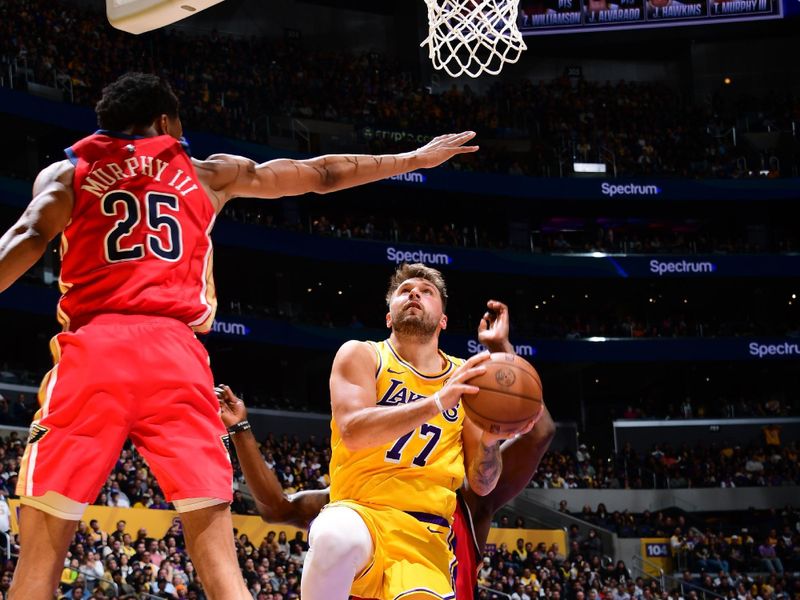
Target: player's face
column 416, row 309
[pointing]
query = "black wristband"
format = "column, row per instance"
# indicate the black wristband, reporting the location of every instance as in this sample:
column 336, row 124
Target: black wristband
column 240, row 426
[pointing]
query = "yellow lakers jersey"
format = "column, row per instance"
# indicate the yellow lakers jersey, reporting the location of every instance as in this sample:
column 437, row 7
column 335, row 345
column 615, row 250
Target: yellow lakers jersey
column 418, row 472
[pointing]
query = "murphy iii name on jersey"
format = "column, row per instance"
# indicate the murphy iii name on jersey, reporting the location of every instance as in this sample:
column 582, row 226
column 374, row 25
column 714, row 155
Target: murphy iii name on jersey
column 100, row 179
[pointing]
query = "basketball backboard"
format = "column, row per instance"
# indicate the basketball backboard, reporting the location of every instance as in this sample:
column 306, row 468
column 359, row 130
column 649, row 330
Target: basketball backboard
column 139, row 16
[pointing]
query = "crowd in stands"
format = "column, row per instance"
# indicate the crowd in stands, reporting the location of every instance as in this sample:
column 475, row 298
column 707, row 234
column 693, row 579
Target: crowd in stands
column 597, row 234
column 303, row 465
column 525, row 572
column 298, row 466
column 746, row 548
column 17, row 408
column 648, row 127
column 554, row 235
column 539, row 321
column 128, row 565
column 122, row 563
column 728, row 465
column 714, row 406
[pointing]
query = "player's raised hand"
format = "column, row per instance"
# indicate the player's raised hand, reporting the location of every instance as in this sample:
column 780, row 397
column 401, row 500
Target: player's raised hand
column 443, row 148
column 231, row 408
column 494, row 327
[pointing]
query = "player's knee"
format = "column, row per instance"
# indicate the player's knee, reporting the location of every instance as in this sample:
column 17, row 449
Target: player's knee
column 338, row 537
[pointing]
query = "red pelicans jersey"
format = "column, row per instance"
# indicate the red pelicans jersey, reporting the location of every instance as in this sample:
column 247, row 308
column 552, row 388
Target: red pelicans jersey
column 467, row 552
column 138, row 241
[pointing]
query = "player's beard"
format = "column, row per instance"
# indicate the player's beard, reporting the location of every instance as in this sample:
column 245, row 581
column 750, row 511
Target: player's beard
column 418, row 326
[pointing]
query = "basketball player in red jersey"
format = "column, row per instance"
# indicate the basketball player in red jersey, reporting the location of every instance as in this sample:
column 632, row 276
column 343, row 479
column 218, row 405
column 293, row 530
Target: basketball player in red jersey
column 135, row 211
column 473, row 516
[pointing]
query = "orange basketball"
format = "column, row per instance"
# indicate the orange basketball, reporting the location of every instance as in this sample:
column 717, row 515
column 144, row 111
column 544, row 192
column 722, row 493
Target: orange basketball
column 510, row 395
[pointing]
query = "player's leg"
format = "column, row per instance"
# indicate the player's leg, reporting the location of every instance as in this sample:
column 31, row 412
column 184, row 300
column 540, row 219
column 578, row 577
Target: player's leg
column 178, row 423
column 340, row 547
column 209, row 540
column 74, row 441
column 420, row 563
column 44, row 539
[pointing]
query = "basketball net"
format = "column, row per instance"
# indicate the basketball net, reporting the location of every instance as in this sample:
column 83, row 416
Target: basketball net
column 471, row 37
column 138, row 16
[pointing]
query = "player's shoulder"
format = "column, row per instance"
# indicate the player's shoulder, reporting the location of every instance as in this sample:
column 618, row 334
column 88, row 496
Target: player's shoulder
column 219, row 171
column 60, row 172
column 223, row 161
column 356, row 348
column 358, row 352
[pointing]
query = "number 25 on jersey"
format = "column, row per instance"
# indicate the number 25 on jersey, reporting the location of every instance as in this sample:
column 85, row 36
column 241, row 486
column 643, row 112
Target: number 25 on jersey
column 126, row 207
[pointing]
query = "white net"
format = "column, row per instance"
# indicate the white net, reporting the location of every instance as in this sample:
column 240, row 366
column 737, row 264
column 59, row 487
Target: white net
column 471, row 37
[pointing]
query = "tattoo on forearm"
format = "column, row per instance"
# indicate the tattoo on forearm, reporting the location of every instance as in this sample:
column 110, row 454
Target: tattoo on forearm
column 275, row 175
column 487, row 465
column 378, row 161
column 323, row 173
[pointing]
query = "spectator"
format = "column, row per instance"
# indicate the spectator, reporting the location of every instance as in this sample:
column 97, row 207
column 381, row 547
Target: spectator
column 769, row 558
column 593, row 545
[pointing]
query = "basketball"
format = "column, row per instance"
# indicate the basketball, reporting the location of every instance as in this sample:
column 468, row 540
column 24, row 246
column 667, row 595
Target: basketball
column 510, row 395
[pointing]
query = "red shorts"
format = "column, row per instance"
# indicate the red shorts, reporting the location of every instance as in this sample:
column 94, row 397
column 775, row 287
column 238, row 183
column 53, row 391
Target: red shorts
column 121, row 376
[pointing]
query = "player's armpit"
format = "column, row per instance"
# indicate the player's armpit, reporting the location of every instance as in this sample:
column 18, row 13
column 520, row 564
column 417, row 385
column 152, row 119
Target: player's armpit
column 53, row 198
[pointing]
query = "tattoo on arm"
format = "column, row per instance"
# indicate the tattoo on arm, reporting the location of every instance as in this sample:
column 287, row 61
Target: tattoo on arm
column 487, row 465
column 323, row 173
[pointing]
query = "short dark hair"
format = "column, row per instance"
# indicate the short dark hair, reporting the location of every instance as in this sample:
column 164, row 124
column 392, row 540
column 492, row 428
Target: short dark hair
column 417, row 271
column 135, row 100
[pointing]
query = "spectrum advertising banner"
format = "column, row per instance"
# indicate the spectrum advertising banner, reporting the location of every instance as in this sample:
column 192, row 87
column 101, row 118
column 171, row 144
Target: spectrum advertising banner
column 570, row 188
column 38, row 300
column 606, row 350
column 594, row 265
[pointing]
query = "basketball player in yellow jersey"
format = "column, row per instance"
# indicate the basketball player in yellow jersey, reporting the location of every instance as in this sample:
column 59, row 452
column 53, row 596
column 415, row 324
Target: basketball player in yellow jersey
column 401, row 447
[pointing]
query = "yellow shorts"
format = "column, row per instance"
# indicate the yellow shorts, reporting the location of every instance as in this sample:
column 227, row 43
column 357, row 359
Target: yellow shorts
column 413, row 555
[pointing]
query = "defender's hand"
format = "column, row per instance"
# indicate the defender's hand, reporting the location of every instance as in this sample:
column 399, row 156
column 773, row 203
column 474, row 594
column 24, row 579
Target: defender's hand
column 443, row 148
column 231, row 409
column 490, row 438
column 494, row 327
